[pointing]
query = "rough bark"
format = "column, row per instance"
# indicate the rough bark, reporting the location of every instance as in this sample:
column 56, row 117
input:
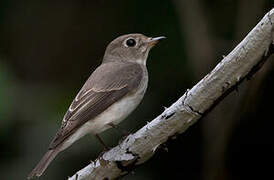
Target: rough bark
column 217, row 129
column 246, row 59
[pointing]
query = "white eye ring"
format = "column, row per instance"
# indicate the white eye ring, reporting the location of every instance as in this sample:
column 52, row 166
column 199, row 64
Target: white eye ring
column 130, row 42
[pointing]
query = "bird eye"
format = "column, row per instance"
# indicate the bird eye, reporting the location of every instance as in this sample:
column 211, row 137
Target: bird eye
column 130, row 42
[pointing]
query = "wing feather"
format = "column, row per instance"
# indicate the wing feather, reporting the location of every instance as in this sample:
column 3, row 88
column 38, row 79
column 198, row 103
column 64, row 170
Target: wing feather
column 108, row 84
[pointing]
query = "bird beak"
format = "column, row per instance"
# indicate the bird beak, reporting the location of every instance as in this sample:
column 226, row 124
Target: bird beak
column 153, row 41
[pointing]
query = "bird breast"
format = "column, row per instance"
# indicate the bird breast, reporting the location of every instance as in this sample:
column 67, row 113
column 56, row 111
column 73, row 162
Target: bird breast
column 116, row 113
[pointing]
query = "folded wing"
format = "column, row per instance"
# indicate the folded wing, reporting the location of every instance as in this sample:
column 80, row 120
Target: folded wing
column 107, row 85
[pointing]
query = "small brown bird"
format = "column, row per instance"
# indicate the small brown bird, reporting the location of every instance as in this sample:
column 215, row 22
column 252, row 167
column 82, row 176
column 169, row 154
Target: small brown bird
column 109, row 95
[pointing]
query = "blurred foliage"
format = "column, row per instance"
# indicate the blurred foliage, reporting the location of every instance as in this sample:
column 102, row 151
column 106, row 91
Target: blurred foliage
column 49, row 48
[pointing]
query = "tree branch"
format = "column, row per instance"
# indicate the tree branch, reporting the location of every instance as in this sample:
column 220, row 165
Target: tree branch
column 246, row 59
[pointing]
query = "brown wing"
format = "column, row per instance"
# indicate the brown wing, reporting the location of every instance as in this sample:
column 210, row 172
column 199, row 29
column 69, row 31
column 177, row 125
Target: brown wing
column 108, row 83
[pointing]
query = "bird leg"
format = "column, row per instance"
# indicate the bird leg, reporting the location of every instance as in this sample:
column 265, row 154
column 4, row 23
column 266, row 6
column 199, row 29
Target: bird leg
column 102, row 142
column 125, row 133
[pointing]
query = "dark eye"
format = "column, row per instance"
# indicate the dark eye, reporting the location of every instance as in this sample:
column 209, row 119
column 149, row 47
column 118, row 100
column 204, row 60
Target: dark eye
column 131, row 42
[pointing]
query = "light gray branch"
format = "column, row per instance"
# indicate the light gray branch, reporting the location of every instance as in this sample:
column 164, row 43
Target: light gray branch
column 241, row 63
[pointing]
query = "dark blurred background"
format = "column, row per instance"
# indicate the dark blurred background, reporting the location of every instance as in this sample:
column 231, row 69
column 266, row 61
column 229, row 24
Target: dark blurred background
column 49, row 48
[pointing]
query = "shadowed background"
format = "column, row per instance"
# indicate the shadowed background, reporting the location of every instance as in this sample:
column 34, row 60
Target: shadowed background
column 48, row 49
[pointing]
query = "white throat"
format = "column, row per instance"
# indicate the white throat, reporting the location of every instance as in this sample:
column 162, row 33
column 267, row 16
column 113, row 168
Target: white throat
column 141, row 61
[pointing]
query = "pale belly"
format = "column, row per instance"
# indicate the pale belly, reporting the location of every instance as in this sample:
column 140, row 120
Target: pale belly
column 114, row 114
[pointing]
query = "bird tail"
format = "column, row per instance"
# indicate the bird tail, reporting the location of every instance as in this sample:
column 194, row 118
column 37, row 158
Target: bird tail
column 44, row 162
